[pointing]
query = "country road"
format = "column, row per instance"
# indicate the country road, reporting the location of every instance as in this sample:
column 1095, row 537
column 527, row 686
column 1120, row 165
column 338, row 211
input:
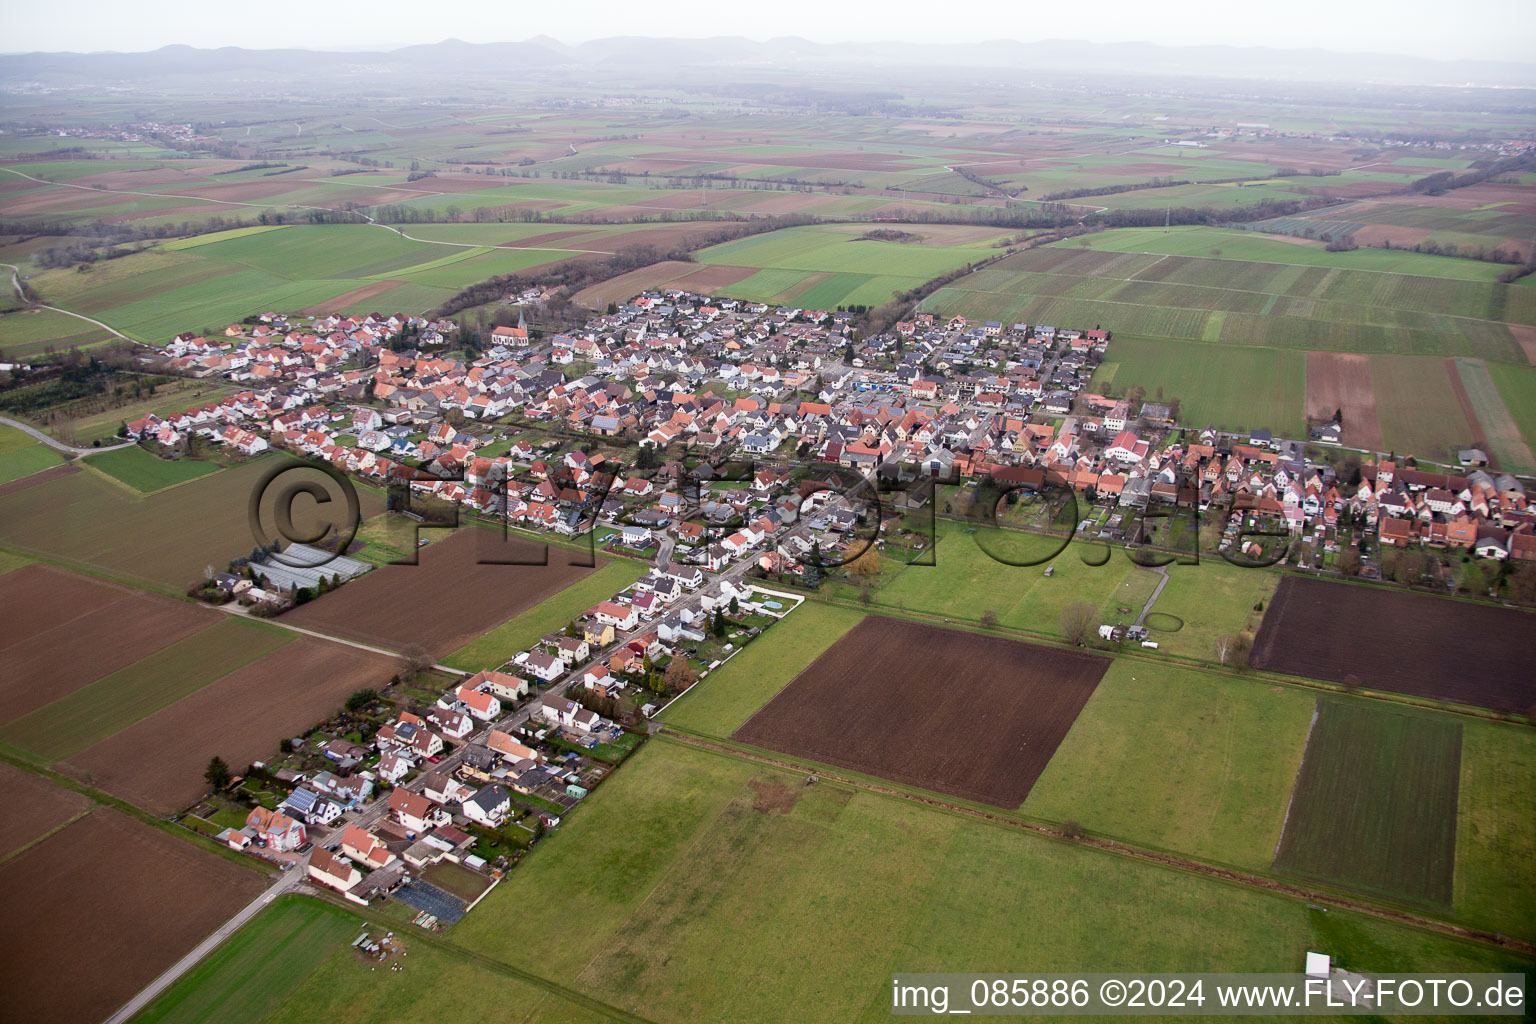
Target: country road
column 60, row 445
column 16, row 284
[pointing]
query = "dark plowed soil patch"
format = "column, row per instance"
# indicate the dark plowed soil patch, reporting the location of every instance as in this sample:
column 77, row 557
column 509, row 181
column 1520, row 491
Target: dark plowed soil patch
column 711, row 279
column 444, row 602
column 1401, row 642
column 12, row 486
column 1342, row 381
column 100, row 909
column 351, row 298
column 36, row 598
column 773, row 797
column 550, row 238
column 54, row 662
column 157, row 763
column 32, row 807
column 627, row 286
column 976, row 717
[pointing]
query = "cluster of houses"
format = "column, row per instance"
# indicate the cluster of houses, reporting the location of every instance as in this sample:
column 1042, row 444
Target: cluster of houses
column 722, row 379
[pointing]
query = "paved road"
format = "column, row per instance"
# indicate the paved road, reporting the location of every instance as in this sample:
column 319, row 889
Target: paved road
column 1162, row 571
column 288, row 881
column 60, row 445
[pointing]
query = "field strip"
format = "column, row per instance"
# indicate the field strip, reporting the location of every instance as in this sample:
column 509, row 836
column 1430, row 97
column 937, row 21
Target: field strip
column 60, row 827
column 1149, row 266
column 1113, row 846
column 1276, row 263
column 1500, row 432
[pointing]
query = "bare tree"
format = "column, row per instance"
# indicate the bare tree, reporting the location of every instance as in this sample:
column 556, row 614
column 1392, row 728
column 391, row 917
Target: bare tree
column 414, row 660
column 1076, row 621
column 989, row 618
column 680, row 675
column 1225, row 645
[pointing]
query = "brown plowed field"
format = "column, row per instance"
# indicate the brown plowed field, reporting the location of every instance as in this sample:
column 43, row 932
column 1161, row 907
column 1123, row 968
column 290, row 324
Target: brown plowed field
column 351, row 298
column 626, row 286
column 157, row 763
column 12, row 486
column 1338, row 380
column 32, row 807
column 444, row 602
column 37, row 598
column 710, row 279
column 1399, row 641
column 59, row 660
column 96, row 912
column 977, row 717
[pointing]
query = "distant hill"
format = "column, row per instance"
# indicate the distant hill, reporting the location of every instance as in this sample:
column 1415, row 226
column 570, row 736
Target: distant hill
column 659, row 56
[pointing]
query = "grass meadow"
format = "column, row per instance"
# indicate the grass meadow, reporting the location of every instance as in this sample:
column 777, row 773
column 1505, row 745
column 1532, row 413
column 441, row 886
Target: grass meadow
column 146, row 472
column 22, row 455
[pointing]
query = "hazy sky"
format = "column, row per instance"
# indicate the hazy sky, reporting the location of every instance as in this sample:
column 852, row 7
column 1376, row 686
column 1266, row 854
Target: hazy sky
column 1502, row 29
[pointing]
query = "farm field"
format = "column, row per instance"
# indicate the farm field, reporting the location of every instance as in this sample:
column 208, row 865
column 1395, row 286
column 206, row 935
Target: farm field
column 154, row 294
column 1221, row 384
column 732, row 693
column 36, row 808
column 248, row 976
column 98, row 709
column 1246, row 296
column 164, row 540
column 49, row 661
column 446, row 600
column 1179, row 759
column 847, row 270
column 1418, row 407
column 700, row 853
column 1471, row 656
column 147, row 473
column 550, row 615
column 870, row 703
column 21, row 455
column 157, row 761
column 1495, row 837
column 1498, row 428
column 28, row 333
column 1517, row 387
column 151, row 897
column 1374, row 807
column 1340, row 383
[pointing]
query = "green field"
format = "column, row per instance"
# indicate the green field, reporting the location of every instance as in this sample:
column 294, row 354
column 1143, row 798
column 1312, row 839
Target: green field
column 842, row 268
column 721, row 703
column 22, row 455
column 97, row 710
column 1374, row 808
column 1179, row 759
column 1237, row 299
column 31, row 332
column 1219, row 387
column 1418, row 412
column 1501, row 430
column 146, row 472
column 1495, row 832
column 250, row 975
column 671, row 871
column 1517, row 386
column 1214, row 598
column 165, row 541
column 548, row 616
